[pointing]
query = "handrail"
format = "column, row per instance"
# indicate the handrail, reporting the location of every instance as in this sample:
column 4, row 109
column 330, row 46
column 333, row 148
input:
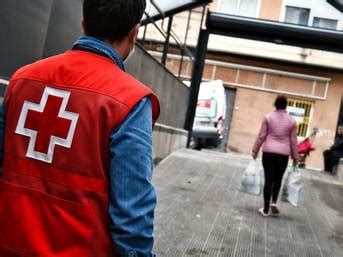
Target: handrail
column 4, row 81
column 172, row 35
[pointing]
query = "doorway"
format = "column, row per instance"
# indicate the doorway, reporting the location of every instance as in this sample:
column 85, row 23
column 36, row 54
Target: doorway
column 230, row 94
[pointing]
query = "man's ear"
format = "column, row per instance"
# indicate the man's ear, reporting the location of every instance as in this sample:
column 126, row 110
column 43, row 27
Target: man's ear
column 83, row 24
column 134, row 33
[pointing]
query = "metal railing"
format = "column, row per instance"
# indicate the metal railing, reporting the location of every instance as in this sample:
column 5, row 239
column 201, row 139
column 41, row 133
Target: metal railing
column 4, row 82
column 168, row 34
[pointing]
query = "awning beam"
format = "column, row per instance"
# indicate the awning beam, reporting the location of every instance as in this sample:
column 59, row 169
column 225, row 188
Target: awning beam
column 275, row 32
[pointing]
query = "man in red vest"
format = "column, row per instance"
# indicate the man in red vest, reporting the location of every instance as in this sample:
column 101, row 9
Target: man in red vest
column 75, row 139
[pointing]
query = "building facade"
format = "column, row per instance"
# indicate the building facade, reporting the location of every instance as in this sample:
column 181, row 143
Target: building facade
column 254, row 73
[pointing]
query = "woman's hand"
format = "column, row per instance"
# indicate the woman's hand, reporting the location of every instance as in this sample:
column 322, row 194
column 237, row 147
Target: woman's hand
column 254, row 155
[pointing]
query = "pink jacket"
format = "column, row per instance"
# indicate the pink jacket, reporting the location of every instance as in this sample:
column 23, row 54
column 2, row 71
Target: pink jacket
column 278, row 134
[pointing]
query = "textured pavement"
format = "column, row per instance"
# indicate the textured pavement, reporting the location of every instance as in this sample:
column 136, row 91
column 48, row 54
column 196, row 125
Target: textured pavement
column 201, row 213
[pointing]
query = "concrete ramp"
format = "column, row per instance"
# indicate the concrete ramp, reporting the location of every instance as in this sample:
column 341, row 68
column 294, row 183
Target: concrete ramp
column 201, row 213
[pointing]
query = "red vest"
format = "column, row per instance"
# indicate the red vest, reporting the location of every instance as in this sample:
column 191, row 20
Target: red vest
column 54, row 190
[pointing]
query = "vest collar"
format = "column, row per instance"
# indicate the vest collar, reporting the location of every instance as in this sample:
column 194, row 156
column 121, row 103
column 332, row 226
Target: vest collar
column 98, row 46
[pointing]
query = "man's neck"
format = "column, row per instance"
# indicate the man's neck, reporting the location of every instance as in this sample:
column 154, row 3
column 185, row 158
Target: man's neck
column 119, row 46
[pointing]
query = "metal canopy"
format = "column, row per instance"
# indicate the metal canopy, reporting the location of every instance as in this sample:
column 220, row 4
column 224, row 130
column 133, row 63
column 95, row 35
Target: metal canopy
column 338, row 4
column 159, row 9
column 275, row 32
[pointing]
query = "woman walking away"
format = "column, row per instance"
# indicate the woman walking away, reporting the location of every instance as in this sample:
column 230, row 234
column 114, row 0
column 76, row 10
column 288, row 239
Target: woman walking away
column 279, row 139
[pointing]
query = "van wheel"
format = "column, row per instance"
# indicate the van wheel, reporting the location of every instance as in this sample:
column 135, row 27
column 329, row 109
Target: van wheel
column 197, row 144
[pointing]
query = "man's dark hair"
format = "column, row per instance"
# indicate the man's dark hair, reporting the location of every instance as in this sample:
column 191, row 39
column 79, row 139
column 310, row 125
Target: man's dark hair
column 111, row 19
column 280, row 102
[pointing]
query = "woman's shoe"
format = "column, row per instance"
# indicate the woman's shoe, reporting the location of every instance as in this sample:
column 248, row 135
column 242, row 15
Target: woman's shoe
column 275, row 209
column 260, row 211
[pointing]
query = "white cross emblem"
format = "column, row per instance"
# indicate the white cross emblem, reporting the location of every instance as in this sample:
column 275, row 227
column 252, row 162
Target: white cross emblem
column 47, row 122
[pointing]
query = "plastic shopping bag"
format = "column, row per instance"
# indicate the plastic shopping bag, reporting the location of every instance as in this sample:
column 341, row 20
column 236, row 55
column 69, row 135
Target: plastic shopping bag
column 292, row 187
column 251, row 181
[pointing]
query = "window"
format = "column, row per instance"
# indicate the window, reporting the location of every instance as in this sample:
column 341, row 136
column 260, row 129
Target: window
column 300, row 110
column 206, row 108
column 297, row 15
column 239, row 7
column 324, row 23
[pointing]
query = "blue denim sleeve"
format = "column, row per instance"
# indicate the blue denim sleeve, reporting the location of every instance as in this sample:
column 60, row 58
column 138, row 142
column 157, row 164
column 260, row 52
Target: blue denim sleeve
column 2, row 133
column 132, row 195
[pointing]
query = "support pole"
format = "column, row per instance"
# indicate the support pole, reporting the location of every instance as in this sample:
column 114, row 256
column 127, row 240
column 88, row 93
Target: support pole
column 166, row 44
column 196, row 80
column 184, row 43
column 144, row 35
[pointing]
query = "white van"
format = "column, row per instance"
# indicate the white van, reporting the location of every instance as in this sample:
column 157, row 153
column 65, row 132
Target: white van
column 210, row 115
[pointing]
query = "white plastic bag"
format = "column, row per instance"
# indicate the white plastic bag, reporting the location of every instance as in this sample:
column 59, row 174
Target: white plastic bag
column 292, row 187
column 251, row 181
